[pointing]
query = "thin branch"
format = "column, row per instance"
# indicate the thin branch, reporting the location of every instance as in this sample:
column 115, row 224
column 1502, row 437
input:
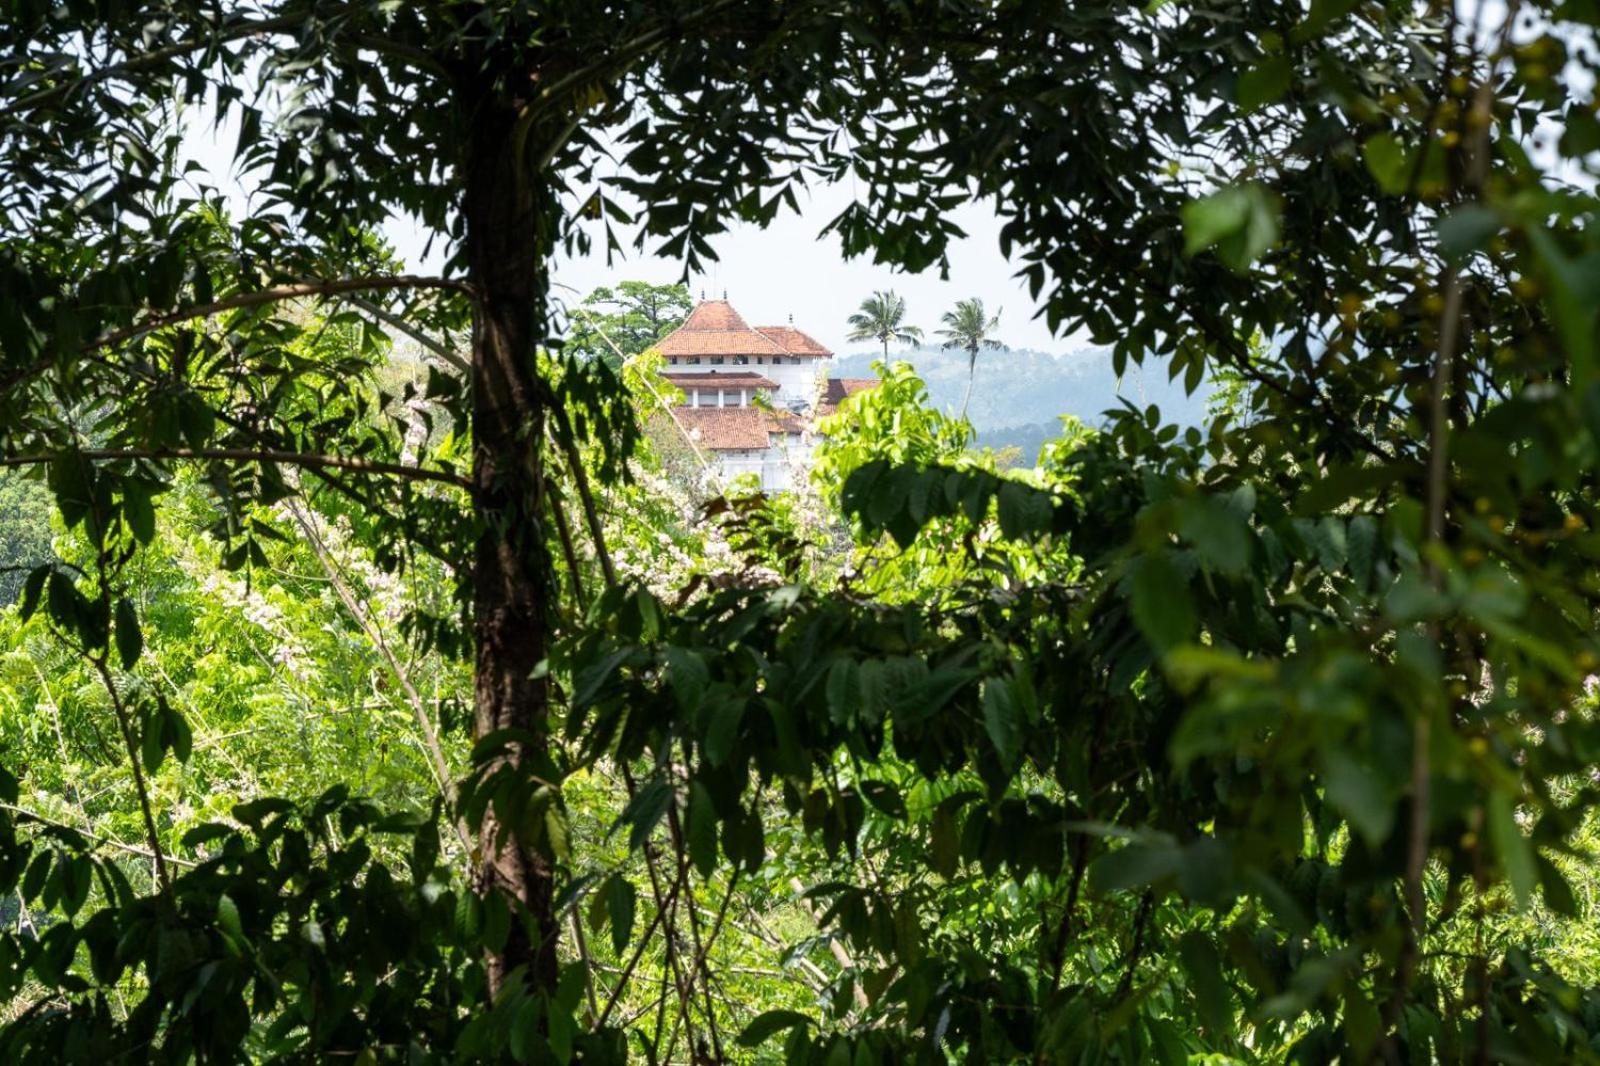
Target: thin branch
column 155, row 57
column 278, row 294
column 585, row 496
column 430, row 737
column 242, row 300
column 1141, row 924
column 638, row 952
column 125, row 726
column 252, row 455
column 112, row 842
column 394, row 321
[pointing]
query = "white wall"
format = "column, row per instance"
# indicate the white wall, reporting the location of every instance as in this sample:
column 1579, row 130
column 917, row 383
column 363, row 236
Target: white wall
column 795, row 381
column 776, row 467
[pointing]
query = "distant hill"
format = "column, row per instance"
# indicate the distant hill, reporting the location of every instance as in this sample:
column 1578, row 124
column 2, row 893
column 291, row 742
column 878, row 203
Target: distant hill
column 1019, row 395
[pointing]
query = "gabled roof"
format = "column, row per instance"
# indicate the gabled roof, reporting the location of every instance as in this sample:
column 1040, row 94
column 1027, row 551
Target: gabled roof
column 700, row 378
column 715, row 328
column 793, row 341
column 714, row 316
column 721, row 429
column 834, row 393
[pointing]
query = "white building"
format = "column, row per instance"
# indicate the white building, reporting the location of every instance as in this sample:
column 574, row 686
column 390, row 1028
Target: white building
column 750, row 393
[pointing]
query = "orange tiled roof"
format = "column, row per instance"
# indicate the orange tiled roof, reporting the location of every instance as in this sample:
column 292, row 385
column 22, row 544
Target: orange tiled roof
column 734, row 428
column 793, row 341
column 715, row 328
column 839, row 388
column 714, row 316
column 701, row 378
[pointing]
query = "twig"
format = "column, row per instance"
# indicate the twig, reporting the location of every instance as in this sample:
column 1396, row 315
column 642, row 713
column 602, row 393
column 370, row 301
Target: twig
column 132, row 849
column 242, row 300
column 250, row 455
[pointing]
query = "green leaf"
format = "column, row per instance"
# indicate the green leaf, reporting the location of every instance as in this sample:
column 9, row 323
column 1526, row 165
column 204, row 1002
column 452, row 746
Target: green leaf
column 557, row 833
column 1357, row 791
column 1159, row 600
column 1204, row 969
column 71, row 478
column 1265, row 83
column 138, row 510
column 1558, row 895
column 1135, row 865
column 1466, row 230
column 130, row 641
column 1002, row 720
column 153, row 747
column 884, row 796
column 1219, row 534
column 1573, row 285
column 688, row 677
column 1023, row 511
column 621, row 907
column 723, row 730
column 844, row 692
column 1515, row 851
column 32, row 589
column 180, row 738
column 645, row 811
column 1240, row 222
column 228, row 917
column 769, row 1024
column 1387, row 162
column 1323, row 13
column 702, row 829
column 1361, row 546
column 945, row 839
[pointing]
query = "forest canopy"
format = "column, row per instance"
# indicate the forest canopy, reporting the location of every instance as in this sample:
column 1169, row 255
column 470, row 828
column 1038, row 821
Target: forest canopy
column 385, row 686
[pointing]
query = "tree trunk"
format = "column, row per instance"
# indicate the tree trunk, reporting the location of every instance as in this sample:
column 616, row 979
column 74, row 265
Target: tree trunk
column 506, row 212
column 972, row 372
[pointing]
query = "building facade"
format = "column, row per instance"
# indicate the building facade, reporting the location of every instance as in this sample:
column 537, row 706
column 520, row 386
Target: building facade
column 751, row 394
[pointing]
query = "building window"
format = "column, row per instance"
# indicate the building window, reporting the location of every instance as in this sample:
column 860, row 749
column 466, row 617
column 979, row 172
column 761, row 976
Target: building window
column 717, row 360
column 693, row 360
column 741, row 360
column 794, row 360
column 673, row 360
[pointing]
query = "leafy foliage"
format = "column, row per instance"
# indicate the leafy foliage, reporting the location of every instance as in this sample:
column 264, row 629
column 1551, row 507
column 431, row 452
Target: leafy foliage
column 1268, row 741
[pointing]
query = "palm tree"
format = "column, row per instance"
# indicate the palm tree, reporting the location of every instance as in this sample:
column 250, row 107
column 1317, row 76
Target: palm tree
column 968, row 329
column 879, row 320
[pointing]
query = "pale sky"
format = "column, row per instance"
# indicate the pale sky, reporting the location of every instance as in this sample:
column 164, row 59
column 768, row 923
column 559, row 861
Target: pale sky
column 769, row 274
column 786, row 269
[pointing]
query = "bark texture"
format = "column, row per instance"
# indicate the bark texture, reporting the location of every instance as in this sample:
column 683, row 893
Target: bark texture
column 512, row 577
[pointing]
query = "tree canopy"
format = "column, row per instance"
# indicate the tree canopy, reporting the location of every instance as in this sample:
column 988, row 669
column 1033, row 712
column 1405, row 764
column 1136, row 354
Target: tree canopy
column 1273, row 741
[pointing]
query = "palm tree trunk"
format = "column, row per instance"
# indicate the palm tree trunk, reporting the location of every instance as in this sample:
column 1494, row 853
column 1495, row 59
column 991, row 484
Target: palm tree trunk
column 972, row 370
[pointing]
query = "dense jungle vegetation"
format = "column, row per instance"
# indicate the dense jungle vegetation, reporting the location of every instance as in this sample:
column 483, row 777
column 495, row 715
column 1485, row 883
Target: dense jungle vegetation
column 381, row 682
